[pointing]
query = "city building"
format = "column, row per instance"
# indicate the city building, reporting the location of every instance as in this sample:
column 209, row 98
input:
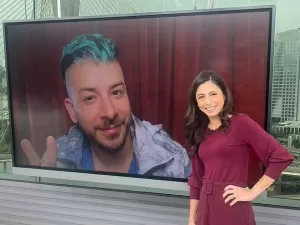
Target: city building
column 286, row 76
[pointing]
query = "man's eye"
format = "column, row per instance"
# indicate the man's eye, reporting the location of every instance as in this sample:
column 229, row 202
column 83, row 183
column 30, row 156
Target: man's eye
column 117, row 93
column 90, row 98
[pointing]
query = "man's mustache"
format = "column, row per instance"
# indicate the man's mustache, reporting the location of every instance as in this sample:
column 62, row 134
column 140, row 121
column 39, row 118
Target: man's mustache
column 110, row 123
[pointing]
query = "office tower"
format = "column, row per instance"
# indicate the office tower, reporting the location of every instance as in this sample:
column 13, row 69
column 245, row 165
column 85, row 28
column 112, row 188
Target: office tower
column 286, row 76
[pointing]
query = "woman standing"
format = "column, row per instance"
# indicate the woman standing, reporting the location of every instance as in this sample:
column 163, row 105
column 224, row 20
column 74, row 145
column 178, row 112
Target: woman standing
column 221, row 143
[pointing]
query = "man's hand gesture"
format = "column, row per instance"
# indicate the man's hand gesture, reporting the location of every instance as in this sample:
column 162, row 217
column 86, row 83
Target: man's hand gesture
column 34, row 160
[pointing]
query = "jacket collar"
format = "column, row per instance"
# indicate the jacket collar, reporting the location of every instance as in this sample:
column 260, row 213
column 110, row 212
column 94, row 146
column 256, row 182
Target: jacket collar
column 150, row 153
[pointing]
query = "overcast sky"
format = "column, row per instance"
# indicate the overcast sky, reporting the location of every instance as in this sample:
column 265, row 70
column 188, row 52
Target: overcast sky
column 288, row 15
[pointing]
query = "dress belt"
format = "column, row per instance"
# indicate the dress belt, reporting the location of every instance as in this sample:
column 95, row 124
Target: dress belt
column 211, row 187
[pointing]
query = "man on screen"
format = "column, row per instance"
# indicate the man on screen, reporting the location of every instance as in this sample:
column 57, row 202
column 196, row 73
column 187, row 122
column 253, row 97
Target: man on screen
column 107, row 136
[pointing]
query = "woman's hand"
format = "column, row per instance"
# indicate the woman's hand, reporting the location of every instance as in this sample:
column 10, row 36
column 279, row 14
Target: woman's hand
column 237, row 194
column 191, row 222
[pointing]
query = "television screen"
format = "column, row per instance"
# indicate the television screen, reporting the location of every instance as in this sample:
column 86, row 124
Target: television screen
column 104, row 98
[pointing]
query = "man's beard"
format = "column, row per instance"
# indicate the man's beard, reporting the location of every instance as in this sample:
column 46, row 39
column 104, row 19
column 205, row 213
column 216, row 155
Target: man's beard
column 101, row 145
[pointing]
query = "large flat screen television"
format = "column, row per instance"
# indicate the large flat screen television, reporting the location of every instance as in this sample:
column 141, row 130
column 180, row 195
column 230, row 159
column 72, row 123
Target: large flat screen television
column 102, row 99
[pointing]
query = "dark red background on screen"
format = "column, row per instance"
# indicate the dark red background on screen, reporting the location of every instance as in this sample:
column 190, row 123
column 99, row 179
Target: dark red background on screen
column 160, row 58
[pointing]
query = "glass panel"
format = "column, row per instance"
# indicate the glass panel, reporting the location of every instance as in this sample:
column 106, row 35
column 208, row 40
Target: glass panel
column 111, row 7
column 9, row 10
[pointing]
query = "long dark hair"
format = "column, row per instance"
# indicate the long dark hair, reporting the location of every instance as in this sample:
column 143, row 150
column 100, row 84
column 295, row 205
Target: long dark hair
column 195, row 121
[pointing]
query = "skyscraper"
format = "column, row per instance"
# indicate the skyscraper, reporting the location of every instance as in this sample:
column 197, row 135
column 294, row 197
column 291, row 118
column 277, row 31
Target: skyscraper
column 286, row 76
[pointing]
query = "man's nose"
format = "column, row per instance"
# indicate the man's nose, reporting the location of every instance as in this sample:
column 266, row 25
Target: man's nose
column 108, row 109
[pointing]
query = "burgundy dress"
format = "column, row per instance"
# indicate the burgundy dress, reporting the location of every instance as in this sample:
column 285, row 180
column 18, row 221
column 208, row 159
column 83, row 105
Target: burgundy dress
column 222, row 160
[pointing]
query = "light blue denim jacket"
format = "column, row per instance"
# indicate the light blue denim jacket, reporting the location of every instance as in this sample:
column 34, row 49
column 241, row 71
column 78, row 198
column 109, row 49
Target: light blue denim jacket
column 156, row 153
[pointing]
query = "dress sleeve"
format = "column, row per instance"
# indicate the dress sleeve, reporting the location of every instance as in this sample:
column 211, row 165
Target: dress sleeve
column 272, row 154
column 195, row 180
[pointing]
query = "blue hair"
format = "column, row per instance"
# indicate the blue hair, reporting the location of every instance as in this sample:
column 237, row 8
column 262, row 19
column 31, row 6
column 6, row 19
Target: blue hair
column 94, row 47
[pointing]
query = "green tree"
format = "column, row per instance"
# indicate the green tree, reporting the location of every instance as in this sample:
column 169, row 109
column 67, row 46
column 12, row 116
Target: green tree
column 296, row 143
column 2, row 80
column 5, row 140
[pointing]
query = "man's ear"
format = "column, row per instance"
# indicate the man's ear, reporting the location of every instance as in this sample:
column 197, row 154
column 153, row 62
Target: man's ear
column 71, row 110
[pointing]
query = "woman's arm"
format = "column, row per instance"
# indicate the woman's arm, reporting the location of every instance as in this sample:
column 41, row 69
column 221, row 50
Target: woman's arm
column 263, row 184
column 272, row 154
column 193, row 211
column 195, row 183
